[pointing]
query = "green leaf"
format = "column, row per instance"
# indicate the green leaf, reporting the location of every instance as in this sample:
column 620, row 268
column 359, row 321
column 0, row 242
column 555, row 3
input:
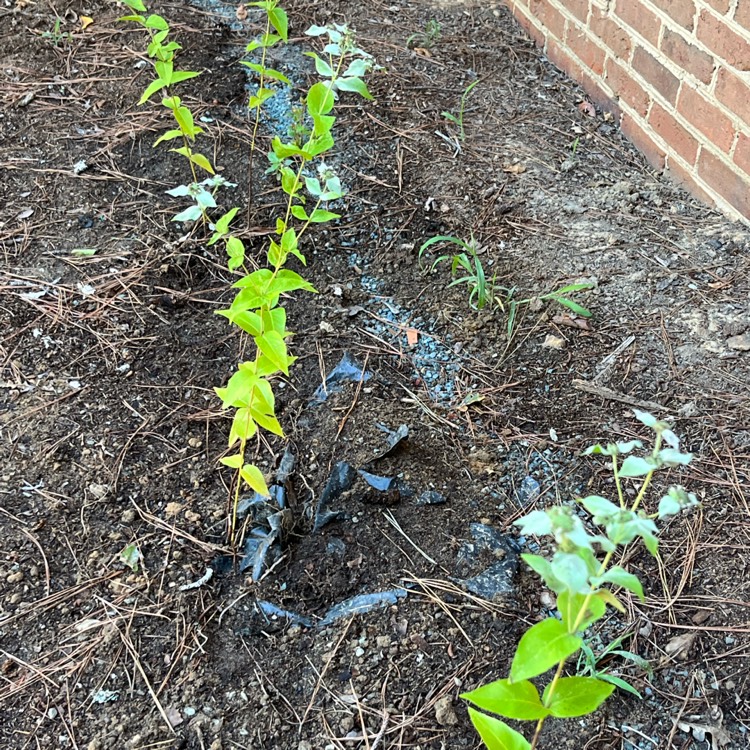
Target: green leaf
column 645, row 418
column 496, row 734
column 156, row 22
column 570, row 606
column 673, row 457
column 272, row 344
column 83, row 252
column 569, row 568
column 254, row 478
column 233, row 462
column 183, row 75
column 236, row 252
column 136, row 5
column 574, row 306
column 248, row 321
column 222, row 224
column 130, row 556
column 275, row 320
column 319, row 215
column 320, row 99
column 268, row 422
column 299, row 213
column 243, row 426
column 576, row 696
column 170, row 135
column 542, row 567
column 259, row 97
column 289, row 281
column 620, row 577
column 353, row 84
column 542, row 647
column 321, row 66
column 635, row 466
column 514, row 700
column 151, row 89
column 270, row 73
column 280, row 21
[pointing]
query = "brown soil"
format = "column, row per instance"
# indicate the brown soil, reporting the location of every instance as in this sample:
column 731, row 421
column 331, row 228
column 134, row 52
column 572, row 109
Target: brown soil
column 110, row 431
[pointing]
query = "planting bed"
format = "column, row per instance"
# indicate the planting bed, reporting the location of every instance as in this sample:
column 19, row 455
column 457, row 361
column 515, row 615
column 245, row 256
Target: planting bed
column 110, row 431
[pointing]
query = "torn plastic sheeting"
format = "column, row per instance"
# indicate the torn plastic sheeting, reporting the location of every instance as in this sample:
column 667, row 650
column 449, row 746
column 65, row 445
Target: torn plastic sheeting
column 393, row 440
column 257, row 546
column 346, row 370
column 382, row 484
column 271, row 610
column 528, row 492
column 360, row 604
column 286, row 466
column 257, row 501
column 431, row 497
column 341, row 479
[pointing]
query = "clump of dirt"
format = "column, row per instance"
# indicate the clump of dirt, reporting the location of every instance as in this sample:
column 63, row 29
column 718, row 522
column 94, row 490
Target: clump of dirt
column 111, row 432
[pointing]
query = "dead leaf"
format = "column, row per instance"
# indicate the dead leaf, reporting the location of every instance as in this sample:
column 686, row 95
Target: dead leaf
column 423, row 51
column 86, row 21
column 554, row 342
column 571, row 322
column 679, row 647
column 587, row 108
column 514, row 168
column 719, row 737
column 172, row 509
column 241, row 13
column 412, row 336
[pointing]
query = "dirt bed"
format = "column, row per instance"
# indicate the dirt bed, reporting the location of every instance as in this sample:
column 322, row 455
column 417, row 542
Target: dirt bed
column 110, row 430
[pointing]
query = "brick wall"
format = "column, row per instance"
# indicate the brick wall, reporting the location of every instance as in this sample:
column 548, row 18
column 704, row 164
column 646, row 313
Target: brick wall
column 676, row 73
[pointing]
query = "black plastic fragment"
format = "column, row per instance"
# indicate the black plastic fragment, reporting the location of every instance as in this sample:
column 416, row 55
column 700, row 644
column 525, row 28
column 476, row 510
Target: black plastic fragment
column 341, row 479
column 382, row 484
column 360, row 604
column 346, row 370
column 497, row 579
column 393, row 440
column 431, row 497
column 271, row 610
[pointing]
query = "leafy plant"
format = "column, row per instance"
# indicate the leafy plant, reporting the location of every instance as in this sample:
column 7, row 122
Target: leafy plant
column 589, row 664
column 428, row 37
column 56, row 37
column 583, row 584
column 459, row 119
column 256, row 307
column 484, row 291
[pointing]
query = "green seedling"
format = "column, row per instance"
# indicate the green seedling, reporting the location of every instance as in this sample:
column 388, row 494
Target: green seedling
column 484, row 291
column 590, row 663
column 56, row 37
column 256, row 308
column 582, row 574
column 161, row 51
column 481, row 291
column 427, row 38
column 459, row 119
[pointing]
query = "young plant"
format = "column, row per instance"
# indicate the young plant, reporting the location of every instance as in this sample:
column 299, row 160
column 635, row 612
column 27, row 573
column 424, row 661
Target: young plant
column 426, row 38
column 589, row 664
column 56, row 37
column 583, row 583
column 459, row 119
column 161, row 50
column 481, row 292
column 256, row 308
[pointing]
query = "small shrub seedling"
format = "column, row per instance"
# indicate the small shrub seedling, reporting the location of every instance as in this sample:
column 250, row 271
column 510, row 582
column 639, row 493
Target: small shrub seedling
column 459, row 119
column 256, row 308
column 56, row 37
column 583, row 584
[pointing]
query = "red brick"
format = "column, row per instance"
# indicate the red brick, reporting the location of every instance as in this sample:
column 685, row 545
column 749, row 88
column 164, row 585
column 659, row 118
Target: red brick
column 599, row 95
column 676, row 136
column 549, row 17
column 635, row 15
column 707, row 117
column 688, row 180
column 742, row 14
column 525, row 22
column 722, row 6
column 742, row 153
column 560, row 56
column 682, row 11
column 733, row 186
column 725, row 43
column 578, row 8
column 640, row 138
column 656, row 74
column 625, row 88
column 610, row 33
column 733, row 94
column 687, row 56
column 588, row 52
